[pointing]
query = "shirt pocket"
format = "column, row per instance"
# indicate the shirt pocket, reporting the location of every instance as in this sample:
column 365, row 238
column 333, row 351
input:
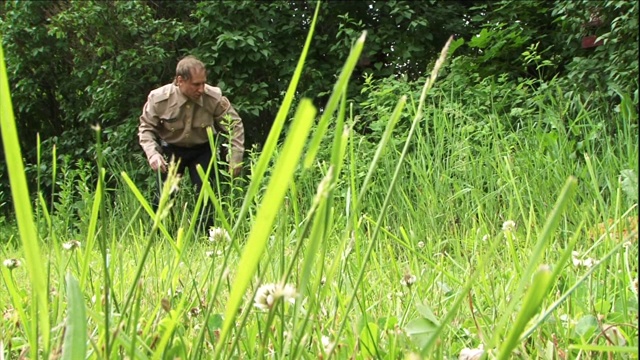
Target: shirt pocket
column 172, row 120
column 202, row 120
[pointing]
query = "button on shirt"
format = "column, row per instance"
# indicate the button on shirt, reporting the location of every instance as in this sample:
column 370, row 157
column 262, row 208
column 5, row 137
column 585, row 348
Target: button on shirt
column 170, row 116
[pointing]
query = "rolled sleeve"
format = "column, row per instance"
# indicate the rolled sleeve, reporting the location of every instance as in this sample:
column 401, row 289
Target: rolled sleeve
column 147, row 130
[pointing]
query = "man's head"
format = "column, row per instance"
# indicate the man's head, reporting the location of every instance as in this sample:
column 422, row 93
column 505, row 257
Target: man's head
column 191, row 76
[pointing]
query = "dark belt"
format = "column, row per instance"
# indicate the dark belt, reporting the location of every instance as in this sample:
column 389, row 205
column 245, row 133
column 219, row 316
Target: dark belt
column 194, row 147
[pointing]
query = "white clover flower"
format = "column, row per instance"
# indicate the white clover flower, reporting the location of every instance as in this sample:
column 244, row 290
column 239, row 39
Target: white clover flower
column 12, row 263
column 471, row 354
column 71, row 245
column 212, row 254
column 327, row 344
column 268, row 294
column 485, row 238
column 509, row 226
column 264, row 298
column 420, row 244
column 289, row 293
column 577, row 262
column 218, row 234
column 408, row 280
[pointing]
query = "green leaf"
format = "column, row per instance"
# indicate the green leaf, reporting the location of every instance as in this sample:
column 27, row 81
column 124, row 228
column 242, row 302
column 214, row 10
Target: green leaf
column 388, row 323
column 586, row 326
column 215, row 322
column 420, row 330
column 427, row 313
column 602, row 306
column 75, row 336
column 630, row 183
column 481, row 40
column 369, row 340
column 454, row 45
column 615, row 317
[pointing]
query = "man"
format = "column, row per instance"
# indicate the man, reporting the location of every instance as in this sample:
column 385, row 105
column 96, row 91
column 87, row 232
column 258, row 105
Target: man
column 174, row 122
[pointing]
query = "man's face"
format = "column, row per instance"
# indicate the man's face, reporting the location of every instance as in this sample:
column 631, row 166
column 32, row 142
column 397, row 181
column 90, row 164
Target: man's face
column 193, row 88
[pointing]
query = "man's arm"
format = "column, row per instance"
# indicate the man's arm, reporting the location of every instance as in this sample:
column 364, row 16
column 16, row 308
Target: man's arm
column 148, row 137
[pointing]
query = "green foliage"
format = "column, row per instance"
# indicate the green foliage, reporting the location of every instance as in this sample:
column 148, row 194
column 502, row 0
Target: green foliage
column 509, row 29
column 615, row 63
column 537, row 39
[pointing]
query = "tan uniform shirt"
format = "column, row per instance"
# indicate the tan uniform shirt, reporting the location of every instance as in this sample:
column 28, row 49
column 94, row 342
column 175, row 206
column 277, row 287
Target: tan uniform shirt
column 170, row 116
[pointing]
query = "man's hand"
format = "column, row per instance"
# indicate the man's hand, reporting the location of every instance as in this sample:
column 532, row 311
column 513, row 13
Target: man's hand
column 157, row 162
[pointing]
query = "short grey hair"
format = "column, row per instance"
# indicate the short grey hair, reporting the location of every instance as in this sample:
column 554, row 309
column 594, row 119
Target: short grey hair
column 186, row 66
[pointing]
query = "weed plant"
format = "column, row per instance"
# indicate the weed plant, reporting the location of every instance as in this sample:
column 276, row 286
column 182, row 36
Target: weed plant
column 449, row 236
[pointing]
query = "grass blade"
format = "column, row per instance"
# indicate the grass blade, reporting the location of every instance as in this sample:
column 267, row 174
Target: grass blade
column 540, row 285
column 75, row 336
column 339, row 88
column 276, row 128
column 24, row 214
column 551, row 224
column 259, row 235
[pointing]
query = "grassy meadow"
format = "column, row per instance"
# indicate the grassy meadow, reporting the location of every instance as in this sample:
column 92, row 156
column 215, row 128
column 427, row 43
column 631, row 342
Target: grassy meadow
column 445, row 235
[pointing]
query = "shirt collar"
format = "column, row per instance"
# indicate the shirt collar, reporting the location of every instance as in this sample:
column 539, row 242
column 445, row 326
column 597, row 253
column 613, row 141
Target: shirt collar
column 182, row 99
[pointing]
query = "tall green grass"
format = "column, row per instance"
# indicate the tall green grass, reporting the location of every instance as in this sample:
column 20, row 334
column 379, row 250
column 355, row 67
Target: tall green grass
column 430, row 239
column 38, row 325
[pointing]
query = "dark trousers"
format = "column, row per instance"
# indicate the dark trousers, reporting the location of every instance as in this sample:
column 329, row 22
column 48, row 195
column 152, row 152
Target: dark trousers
column 188, row 158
